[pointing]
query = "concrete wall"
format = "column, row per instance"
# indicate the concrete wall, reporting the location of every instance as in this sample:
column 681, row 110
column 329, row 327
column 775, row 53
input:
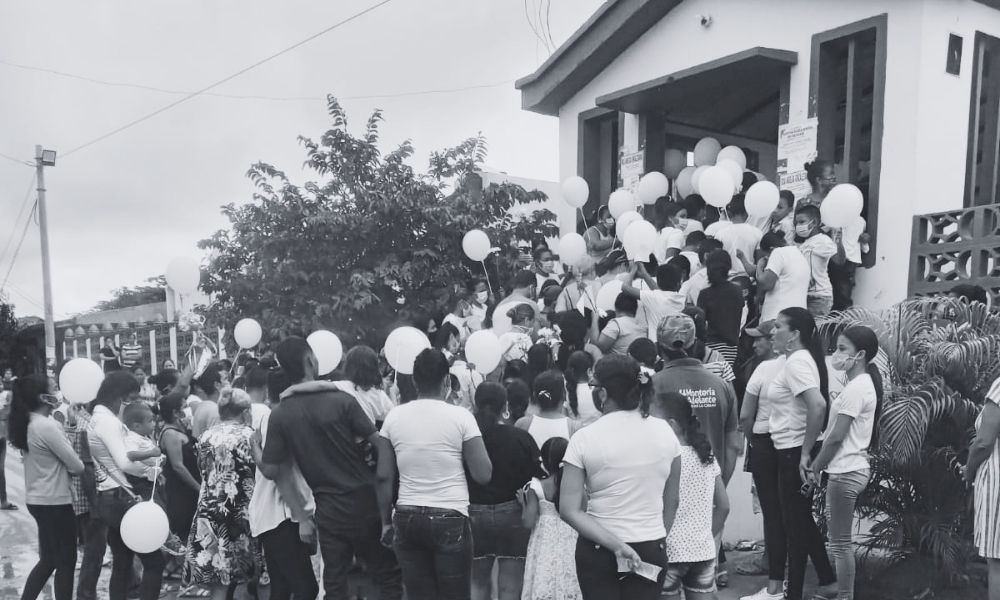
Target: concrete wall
column 926, row 109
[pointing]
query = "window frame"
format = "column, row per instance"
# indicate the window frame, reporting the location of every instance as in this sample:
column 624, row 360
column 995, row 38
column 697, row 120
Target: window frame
column 971, row 170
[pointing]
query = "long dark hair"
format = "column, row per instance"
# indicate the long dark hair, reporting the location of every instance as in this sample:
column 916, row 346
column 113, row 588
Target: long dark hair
column 801, row 320
column 518, row 397
column 577, row 366
column 539, row 360
column 361, row 368
column 620, row 377
column 549, row 389
column 553, row 451
column 675, row 406
column 814, row 170
column 27, row 398
column 490, row 401
column 863, row 338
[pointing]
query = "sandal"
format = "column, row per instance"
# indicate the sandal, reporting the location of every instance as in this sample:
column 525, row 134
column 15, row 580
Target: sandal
column 194, row 591
column 722, row 579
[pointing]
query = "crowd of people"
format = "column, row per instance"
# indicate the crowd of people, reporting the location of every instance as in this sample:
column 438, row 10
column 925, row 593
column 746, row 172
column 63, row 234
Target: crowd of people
column 592, row 463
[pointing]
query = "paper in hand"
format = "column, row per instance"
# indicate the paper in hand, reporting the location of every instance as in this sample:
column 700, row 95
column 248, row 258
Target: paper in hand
column 644, row 569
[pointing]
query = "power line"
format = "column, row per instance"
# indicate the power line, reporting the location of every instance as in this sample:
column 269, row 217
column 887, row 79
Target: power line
column 17, row 160
column 13, row 259
column 225, row 79
column 149, row 88
column 13, row 227
column 31, row 299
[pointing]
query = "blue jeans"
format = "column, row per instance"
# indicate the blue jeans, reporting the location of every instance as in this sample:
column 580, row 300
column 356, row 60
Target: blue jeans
column 842, row 492
column 111, row 506
column 434, row 548
column 597, row 571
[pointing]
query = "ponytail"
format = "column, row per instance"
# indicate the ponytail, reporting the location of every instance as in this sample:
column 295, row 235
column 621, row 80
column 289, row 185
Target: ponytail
column 864, row 339
column 576, row 373
column 876, row 376
column 698, row 440
column 553, row 451
column 677, row 408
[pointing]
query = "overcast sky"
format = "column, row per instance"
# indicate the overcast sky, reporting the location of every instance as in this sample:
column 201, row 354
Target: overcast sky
column 120, row 209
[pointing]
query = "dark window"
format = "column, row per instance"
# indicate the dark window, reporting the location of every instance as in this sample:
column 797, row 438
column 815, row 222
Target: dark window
column 981, row 181
column 597, row 156
column 847, row 96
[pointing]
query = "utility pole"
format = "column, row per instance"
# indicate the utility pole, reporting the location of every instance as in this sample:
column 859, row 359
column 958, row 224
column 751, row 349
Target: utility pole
column 46, row 158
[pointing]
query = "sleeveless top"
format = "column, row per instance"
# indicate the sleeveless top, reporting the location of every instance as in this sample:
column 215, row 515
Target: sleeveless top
column 189, row 456
column 542, row 429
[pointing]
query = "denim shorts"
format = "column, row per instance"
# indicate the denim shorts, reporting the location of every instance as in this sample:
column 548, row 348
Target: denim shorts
column 695, row 577
column 497, row 530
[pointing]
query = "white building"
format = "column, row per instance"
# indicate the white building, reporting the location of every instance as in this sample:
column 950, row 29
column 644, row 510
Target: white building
column 905, row 95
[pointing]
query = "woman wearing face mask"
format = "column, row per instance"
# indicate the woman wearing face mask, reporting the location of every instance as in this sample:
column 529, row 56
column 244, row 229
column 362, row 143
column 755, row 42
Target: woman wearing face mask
column 822, row 178
column 600, row 237
column 181, row 475
column 851, row 431
column 221, row 552
column 630, row 488
column 49, row 460
column 544, row 267
column 798, row 396
column 479, row 300
column 818, row 249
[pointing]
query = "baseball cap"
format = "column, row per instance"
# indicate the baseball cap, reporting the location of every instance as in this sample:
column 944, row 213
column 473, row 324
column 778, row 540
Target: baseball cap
column 676, row 332
column 764, row 329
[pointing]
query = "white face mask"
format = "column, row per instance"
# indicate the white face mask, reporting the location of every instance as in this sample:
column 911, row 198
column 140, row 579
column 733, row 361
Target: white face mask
column 842, row 362
column 682, row 223
column 803, row 230
column 481, row 297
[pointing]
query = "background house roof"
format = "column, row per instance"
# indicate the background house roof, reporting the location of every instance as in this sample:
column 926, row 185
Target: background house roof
column 605, row 35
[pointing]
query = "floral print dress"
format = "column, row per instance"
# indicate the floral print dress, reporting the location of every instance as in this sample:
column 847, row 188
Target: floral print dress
column 221, row 550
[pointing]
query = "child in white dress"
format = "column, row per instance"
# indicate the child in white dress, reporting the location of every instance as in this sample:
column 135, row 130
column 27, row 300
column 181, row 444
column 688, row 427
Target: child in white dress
column 550, row 565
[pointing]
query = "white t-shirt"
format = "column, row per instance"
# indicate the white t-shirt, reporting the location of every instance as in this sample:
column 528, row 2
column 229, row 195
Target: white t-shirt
column 760, row 386
column 658, row 304
column 670, row 238
column 743, row 237
column 267, row 510
column 858, row 400
column 626, row 460
column 691, row 225
column 818, row 249
column 713, row 230
column 587, row 412
column 849, row 238
column 693, row 258
column 791, row 289
column 690, row 538
column 427, row 436
column 693, row 287
column 788, row 412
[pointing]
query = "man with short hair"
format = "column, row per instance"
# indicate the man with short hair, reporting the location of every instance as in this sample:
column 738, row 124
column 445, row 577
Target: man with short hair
column 740, row 238
column 430, row 443
column 318, row 431
column 782, row 276
column 131, row 352
column 523, row 289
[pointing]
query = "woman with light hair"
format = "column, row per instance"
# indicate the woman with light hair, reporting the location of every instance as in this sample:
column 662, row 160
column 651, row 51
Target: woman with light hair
column 221, row 553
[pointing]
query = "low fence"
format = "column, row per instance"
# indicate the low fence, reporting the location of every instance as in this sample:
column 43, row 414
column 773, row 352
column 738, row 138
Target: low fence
column 960, row 246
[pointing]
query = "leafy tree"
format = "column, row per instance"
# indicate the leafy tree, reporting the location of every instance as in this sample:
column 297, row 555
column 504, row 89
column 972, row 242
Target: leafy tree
column 369, row 245
column 124, row 297
column 8, row 330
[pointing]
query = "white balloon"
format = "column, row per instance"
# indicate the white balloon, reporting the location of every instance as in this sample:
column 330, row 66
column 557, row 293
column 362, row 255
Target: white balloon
column 327, row 348
column 696, row 178
column 674, row 161
column 620, row 202
column 476, row 245
column 501, row 322
column 247, row 333
column 402, row 347
column 572, row 249
column 652, row 186
column 622, row 223
column 735, row 154
column 607, row 294
column 735, row 171
column 685, row 183
column 842, row 206
column 575, row 191
column 145, row 528
column 80, row 379
column 184, row 274
column 483, row 351
column 640, row 240
column 761, row 199
column 706, row 151
column 717, row 186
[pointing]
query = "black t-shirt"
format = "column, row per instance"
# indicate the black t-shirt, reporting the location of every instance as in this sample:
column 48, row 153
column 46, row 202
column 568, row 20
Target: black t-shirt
column 113, row 364
column 318, row 431
column 515, row 461
column 723, row 306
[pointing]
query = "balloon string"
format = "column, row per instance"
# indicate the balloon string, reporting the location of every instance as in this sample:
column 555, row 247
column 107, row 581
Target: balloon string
column 235, row 361
column 487, row 273
column 584, row 218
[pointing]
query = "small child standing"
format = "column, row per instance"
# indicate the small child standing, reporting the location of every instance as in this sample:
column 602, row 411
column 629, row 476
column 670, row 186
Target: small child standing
column 703, row 507
column 550, row 564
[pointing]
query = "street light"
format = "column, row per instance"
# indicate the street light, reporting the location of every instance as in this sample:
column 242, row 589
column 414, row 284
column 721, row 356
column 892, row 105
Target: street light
column 48, row 158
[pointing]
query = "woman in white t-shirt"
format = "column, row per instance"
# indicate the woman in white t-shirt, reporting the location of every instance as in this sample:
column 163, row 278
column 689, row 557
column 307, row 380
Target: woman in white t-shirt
column 629, row 465
column 579, row 394
column 851, row 431
column 798, row 412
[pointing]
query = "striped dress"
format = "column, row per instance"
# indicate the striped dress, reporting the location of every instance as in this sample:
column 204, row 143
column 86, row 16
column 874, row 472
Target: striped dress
column 987, row 494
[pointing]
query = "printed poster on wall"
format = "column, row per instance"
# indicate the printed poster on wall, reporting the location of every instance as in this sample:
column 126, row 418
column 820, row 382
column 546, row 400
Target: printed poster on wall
column 796, row 147
column 630, row 168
